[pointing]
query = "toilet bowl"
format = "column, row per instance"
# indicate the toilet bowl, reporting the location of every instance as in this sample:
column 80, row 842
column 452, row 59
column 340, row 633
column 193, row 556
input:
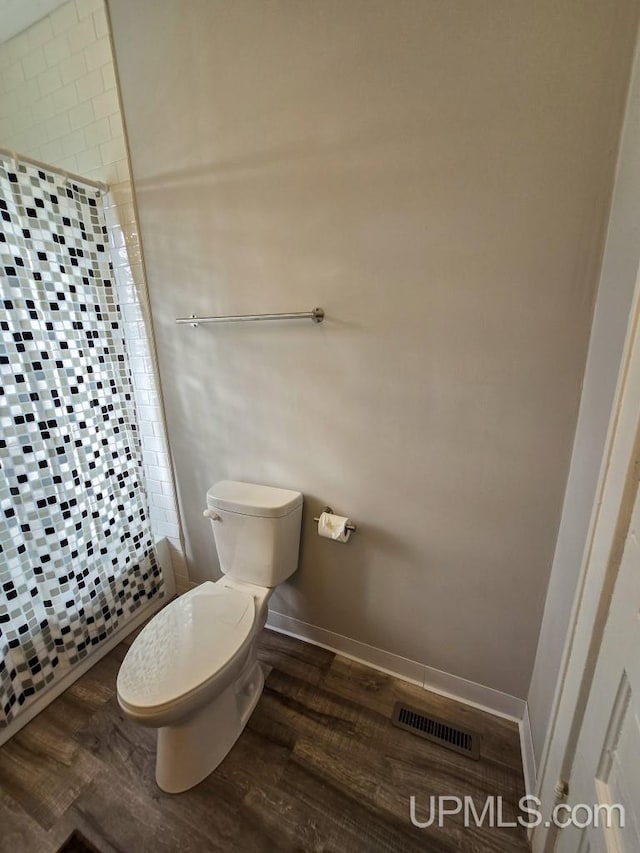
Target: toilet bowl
column 192, row 672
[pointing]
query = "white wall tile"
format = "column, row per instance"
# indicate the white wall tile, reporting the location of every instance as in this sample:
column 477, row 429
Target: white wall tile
column 57, row 126
column 43, row 108
column 12, row 76
column 73, row 68
column 89, row 159
column 56, row 50
column 98, row 131
column 105, row 104
column 85, row 8
column 81, row 35
column 150, row 457
column 166, row 529
column 128, row 218
column 64, row 99
column 28, row 92
column 8, row 125
column 100, row 23
column 64, row 18
column 138, row 348
column 34, row 63
column 121, row 193
column 148, row 382
column 154, row 443
column 164, row 502
column 109, row 78
column 18, row 46
column 69, row 163
column 147, row 413
column 131, row 313
column 123, row 170
column 98, row 54
column 40, row 33
column 145, row 398
column 9, row 102
column 49, row 81
column 73, row 142
column 90, row 86
column 82, row 116
column 153, row 486
column 51, row 152
column 112, row 150
column 116, row 241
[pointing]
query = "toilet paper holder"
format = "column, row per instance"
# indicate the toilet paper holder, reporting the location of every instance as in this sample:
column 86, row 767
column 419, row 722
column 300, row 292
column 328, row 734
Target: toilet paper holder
column 349, row 526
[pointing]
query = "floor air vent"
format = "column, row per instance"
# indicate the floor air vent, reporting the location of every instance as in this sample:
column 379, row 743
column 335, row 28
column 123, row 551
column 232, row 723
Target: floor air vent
column 437, row 731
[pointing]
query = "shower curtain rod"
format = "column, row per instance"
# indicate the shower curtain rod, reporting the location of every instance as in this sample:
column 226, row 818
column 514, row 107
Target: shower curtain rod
column 78, row 179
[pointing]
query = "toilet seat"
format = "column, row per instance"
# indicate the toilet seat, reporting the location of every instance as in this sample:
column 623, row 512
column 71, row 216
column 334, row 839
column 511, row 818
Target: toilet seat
column 184, row 648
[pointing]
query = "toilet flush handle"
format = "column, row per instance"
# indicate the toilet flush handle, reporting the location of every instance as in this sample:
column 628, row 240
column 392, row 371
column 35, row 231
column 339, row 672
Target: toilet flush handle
column 209, row 513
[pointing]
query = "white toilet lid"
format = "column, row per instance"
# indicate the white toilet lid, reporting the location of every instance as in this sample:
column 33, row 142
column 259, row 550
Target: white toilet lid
column 185, row 645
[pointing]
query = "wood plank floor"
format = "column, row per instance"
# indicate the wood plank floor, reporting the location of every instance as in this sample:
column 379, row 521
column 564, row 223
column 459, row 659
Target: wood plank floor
column 318, row 768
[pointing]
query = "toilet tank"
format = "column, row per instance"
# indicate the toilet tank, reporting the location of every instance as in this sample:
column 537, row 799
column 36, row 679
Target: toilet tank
column 256, row 530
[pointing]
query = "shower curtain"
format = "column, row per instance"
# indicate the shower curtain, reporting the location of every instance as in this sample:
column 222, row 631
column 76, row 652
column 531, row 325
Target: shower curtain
column 76, row 551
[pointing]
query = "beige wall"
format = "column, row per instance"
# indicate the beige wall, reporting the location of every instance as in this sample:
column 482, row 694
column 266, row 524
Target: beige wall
column 436, row 176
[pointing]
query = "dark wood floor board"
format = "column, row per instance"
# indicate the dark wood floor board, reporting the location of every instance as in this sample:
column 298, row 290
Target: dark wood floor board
column 72, row 711
column 337, row 723
column 266, row 723
column 18, row 830
column 213, row 806
column 379, row 691
column 254, row 759
column 119, row 743
column 207, row 818
column 44, row 769
column 317, row 712
column 318, row 768
column 74, row 820
column 470, row 839
column 386, row 785
column 301, row 660
column 310, row 815
column 98, row 685
column 354, row 768
column 355, row 820
column 414, row 754
column 393, row 796
column 363, row 771
column 130, row 821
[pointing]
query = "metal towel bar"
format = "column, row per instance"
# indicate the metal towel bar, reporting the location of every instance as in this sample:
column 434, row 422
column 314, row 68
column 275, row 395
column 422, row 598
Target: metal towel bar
column 317, row 315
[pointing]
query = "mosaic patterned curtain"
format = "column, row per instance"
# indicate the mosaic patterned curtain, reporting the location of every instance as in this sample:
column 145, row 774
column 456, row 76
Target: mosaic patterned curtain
column 76, row 552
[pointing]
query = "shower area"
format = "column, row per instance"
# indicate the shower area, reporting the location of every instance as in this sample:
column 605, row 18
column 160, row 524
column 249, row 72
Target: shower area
column 89, row 529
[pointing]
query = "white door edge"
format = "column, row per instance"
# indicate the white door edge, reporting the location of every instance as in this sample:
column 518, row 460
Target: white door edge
column 609, row 521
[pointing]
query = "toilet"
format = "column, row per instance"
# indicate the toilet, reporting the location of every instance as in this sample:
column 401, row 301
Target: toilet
column 192, row 672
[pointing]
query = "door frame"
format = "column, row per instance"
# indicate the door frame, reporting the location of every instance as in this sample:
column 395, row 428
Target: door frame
column 610, row 517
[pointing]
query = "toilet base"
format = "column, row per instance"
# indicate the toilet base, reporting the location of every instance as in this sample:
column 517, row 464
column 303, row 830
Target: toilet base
column 189, row 751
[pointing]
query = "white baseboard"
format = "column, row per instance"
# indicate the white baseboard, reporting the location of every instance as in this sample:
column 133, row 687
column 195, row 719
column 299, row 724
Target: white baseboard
column 460, row 689
column 60, row 685
column 476, row 695
column 528, row 755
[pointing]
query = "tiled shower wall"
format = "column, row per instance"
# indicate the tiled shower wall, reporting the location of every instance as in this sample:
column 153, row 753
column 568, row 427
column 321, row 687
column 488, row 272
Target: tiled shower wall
column 59, row 104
